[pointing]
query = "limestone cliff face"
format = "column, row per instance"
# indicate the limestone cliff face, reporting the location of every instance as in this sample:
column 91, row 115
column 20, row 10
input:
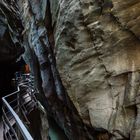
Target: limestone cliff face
column 97, row 47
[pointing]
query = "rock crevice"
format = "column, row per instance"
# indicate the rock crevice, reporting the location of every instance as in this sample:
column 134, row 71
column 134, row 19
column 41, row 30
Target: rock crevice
column 85, row 59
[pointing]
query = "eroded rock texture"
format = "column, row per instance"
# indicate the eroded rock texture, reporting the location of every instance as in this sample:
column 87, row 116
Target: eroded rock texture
column 97, row 47
column 10, row 35
column 10, row 48
column 38, row 42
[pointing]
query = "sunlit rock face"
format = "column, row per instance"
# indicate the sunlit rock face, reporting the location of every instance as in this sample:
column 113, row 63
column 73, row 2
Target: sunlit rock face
column 97, row 47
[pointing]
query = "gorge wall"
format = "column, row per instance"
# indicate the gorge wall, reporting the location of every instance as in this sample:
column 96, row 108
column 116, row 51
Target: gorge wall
column 84, row 55
column 97, row 47
column 10, row 50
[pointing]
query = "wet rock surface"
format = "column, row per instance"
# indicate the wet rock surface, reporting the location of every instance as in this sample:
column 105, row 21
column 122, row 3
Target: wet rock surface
column 95, row 46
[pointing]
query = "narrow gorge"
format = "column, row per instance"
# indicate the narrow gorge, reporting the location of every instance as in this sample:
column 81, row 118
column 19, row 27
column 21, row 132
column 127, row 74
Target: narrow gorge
column 84, row 56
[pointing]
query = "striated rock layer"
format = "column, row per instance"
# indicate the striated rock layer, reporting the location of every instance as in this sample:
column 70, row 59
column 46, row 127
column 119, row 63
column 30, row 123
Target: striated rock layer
column 97, row 47
column 38, row 41
column 96, row 44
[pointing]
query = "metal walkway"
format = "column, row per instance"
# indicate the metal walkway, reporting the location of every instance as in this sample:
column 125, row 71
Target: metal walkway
column 16, row 107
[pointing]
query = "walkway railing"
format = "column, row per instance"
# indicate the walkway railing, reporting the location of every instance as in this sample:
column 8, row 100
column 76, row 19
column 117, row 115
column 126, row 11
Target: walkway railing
column 16, row 107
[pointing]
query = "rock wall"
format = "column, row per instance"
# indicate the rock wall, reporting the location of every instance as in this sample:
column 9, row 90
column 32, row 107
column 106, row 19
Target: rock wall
column 10, row 35
column 97, row 47
column 39, row 55
column 10, row 49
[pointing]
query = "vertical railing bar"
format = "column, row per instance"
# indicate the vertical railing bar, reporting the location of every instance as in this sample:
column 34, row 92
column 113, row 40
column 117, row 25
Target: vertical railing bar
column 7, row 129
column 8, row 123
column 25, row 115
column 21, row 126
column 27, row 83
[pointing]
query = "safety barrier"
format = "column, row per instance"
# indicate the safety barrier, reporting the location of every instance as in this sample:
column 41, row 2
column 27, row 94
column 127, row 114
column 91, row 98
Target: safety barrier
column 16, row 107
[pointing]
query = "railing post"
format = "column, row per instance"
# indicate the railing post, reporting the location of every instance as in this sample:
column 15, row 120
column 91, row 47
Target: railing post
column 21, row 130
column 21, row 126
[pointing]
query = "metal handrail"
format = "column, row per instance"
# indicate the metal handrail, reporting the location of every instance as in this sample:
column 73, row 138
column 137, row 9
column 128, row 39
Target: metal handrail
column 23, row 130
column 21, row 126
